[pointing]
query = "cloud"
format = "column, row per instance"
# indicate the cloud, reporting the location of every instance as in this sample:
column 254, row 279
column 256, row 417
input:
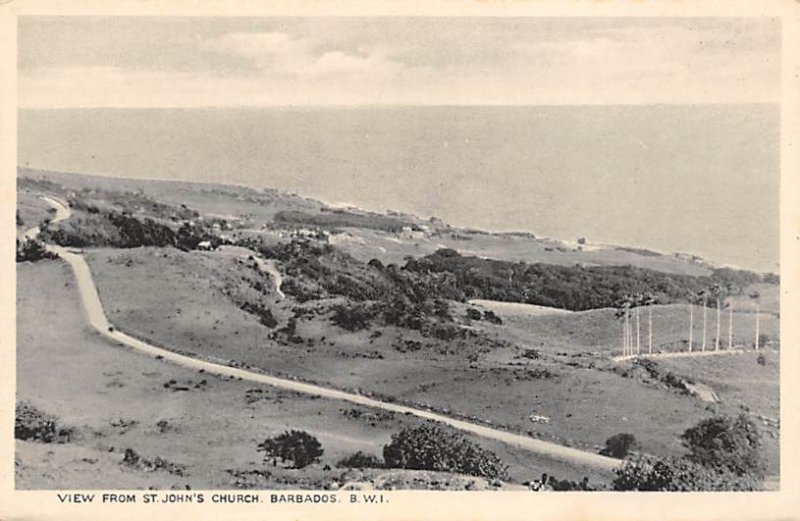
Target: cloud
column 623, row 62
column 283, row 54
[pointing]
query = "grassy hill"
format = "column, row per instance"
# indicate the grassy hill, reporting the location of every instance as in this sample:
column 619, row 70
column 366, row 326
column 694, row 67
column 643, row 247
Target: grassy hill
column 385, row 325
column 204, row 428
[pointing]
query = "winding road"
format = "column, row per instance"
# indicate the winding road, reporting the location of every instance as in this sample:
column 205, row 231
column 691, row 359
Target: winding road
column 96, row 317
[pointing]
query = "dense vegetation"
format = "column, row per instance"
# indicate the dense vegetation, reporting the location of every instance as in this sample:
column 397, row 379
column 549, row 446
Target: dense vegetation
column 393, row 295
column 109, row 229
column 576, row 288
column 429, row 447
column 724, row 454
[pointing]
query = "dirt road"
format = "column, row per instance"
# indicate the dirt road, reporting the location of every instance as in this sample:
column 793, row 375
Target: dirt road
column 95, row 314
column 682, row 354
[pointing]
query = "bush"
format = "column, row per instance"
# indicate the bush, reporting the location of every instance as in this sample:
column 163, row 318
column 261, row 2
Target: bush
column 353, row 318
column 264, row 314
column 726, row 444
column 619, row 445
column 32, row 250
column 492, row 317
column 428, row 447
column 360, row 460
column 473, row 314
column 31, row 424
column 299, row 447
column 646, row 473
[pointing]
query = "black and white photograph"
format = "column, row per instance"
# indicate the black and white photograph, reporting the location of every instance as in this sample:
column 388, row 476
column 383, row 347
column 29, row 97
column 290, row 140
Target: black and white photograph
column 336, row 257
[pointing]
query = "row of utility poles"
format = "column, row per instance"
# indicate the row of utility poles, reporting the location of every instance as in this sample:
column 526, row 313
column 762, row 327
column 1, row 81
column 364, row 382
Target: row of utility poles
column 628, row 309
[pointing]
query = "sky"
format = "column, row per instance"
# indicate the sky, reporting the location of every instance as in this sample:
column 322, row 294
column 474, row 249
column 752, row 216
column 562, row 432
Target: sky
column 138, row 62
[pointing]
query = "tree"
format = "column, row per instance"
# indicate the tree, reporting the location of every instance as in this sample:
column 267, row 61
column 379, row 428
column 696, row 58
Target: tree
column 647, row 473
column 619, row 445
column 692, row 302
column 623, row 306
column 725, row 443
column 704, row 296
column 429, row 447
column 650, row 300
column 730, row 289
column 716, row 294
column 756, row 296
column 637, row 303
column 299, row 447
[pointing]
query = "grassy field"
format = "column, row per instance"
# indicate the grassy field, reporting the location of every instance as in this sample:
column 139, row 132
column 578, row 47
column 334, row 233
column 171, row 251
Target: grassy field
column 218, row 306
column 205, row 427
column 587, row 396
column 32, row 210
column 599, row 331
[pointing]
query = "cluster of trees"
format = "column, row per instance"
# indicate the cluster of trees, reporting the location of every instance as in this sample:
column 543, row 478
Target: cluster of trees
column 123, row 230
column 425, row 447
column 724, row 453
column 576, row 288
column 109, row 229
column 394, row 295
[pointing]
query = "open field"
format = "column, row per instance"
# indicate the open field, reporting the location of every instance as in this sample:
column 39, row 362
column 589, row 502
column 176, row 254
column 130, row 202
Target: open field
column 225, row 305
column 587, row 399
column 510, row 309
column 32, row 210
column 116, row 399
column 599, row 331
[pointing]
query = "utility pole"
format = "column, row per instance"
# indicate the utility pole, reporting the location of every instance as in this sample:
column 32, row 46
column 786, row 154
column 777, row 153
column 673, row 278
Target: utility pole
column 730, row 325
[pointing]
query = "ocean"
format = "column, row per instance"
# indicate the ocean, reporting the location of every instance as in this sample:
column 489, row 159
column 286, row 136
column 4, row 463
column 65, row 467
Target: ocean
column 703, row 179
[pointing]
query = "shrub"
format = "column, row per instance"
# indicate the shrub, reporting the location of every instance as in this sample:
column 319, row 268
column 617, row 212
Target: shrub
column 299, row 447
column 31, row 424
column 428, row 447
column 32, row 250
column 492, row 317
column 353, row 318
column 360, row 460
column 473, row 314
column 264, row 314
column 619, row 445
column 532, row 354
column 646, row 473
column 726, row 444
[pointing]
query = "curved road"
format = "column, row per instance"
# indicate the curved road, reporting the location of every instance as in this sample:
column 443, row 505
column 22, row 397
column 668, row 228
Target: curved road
column 98, row 320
